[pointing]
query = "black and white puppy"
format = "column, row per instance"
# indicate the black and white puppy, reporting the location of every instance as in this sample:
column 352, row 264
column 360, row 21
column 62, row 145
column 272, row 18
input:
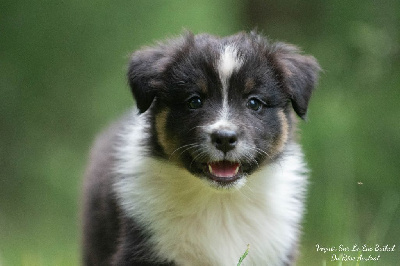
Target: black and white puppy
column 208, row 162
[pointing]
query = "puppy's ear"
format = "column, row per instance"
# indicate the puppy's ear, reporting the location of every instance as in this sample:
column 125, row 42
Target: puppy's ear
column 144, row 75
column 298, row 74
column 148, row 66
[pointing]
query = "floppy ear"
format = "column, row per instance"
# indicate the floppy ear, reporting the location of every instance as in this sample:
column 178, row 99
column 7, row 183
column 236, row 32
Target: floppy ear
column 298, row 74
column 148, row 65
column 144, row 75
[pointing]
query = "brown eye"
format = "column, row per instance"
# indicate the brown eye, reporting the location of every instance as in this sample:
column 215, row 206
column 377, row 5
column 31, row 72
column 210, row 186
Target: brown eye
column 254, row 104
column 195, row 103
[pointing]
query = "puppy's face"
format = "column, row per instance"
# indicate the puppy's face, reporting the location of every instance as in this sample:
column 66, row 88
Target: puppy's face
column 221, row 108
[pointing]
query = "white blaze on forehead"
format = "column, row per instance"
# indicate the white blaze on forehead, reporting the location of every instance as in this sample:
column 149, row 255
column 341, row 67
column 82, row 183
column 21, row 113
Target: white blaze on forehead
column 228, row 63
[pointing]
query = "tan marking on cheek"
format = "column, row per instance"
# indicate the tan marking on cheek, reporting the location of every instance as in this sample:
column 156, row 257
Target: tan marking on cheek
column 279, row 144
column 293, row 126
column 168, row 144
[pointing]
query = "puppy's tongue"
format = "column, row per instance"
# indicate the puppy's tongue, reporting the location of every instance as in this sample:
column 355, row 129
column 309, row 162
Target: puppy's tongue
column 223, row 168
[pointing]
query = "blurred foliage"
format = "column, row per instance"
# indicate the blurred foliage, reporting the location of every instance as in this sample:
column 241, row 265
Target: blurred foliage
column 62, row 79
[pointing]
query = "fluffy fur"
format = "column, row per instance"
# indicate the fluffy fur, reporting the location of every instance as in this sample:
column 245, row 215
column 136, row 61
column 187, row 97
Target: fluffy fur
column 208, row 162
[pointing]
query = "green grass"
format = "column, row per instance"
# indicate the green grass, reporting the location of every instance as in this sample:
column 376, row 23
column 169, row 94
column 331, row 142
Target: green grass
column 244, row 255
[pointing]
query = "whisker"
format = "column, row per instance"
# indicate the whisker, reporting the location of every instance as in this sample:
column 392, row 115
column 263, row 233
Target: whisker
column 202, row 153
column 187, row 146
column 191, row 147
column 195, row 128
column 261, row 151
column 183, row 146
column 251, row 160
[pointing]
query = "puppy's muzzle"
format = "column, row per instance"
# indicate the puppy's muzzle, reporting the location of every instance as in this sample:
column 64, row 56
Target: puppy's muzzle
column 224, row 140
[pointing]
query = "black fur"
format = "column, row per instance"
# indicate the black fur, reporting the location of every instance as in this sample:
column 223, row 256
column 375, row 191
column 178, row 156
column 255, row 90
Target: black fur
column 110, row 238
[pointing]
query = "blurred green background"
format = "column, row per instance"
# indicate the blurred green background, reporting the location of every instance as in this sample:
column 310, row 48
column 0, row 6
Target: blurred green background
column 62, row 79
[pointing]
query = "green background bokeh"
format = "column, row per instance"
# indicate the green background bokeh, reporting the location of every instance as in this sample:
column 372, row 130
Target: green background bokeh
column 62, row 79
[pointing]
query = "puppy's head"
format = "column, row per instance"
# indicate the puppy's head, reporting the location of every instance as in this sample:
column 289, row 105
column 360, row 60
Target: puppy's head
column 221, row 107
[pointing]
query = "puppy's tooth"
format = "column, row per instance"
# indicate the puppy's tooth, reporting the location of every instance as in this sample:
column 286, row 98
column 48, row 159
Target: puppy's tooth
column 236, row 170
column 210, row 168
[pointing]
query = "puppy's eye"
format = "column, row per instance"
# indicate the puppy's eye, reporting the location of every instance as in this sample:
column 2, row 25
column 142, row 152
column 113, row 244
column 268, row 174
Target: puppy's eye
column 254, row 104
column 195, row 103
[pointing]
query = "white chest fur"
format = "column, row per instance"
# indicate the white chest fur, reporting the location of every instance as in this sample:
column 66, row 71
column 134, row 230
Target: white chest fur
column 194, row 224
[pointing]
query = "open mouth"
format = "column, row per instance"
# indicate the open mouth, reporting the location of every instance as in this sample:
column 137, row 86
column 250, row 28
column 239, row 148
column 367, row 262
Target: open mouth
column 223, row 172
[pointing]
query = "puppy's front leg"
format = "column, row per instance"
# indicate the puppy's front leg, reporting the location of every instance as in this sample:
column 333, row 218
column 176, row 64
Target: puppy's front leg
column 125, row 257
column 132, row 249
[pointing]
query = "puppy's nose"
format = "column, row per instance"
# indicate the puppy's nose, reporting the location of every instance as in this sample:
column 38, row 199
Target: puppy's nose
column 224, row 140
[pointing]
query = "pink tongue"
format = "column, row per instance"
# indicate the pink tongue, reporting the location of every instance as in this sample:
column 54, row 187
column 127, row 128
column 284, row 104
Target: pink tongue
column 223, row 168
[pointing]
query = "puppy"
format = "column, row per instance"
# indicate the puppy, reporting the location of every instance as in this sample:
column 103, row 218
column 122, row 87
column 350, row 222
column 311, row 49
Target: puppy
column 207, row 163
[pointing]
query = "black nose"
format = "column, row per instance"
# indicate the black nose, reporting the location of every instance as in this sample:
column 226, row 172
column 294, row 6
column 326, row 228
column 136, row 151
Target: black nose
column 224, row 140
